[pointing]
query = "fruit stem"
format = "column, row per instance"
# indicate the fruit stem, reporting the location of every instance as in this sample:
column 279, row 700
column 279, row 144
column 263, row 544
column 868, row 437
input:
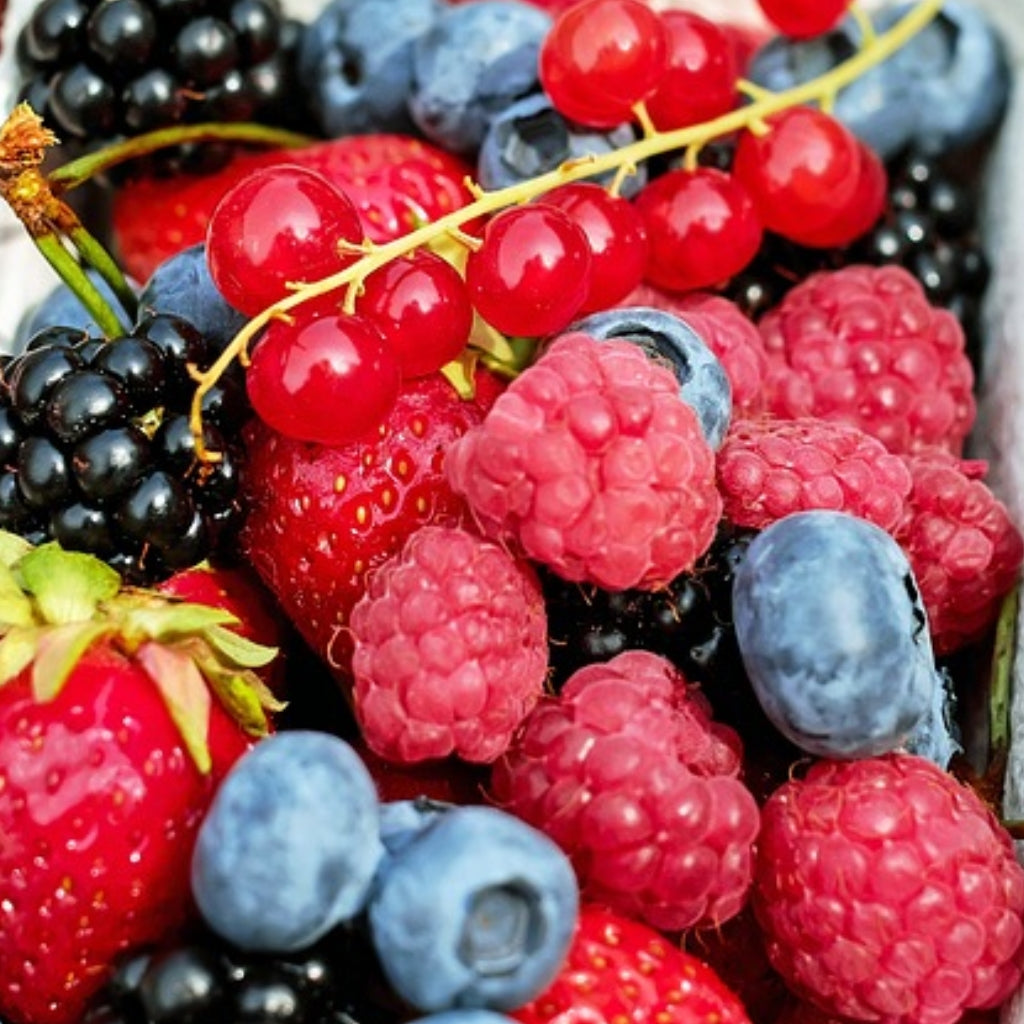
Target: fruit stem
column 652, row 143
column 1001, row 683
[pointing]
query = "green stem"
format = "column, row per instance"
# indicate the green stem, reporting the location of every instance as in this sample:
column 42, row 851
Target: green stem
column 104, row 264
column 76, row 172
column 1001, row 682
column 72, row 274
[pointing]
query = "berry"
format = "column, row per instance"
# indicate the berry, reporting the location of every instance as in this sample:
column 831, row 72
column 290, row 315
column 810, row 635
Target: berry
column 450, row 649
column 833, row 634
column 769, row 468
column 593, row 466
column 477, row 911
column 890, row 839
column 601, row 58
column 863, row 345
column 803, row 18
column 617, row 967
column 964, row 547
column 290, row 844
column 668, row 340
column 675, row 853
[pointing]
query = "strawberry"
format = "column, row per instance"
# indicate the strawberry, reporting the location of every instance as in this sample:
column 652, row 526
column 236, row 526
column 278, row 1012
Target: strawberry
column 319, row 518
column 397, row 183
column 120, row 712
column 620, row 970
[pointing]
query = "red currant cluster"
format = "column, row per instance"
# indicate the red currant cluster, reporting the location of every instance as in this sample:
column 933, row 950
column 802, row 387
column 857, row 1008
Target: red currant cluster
column 529, row 259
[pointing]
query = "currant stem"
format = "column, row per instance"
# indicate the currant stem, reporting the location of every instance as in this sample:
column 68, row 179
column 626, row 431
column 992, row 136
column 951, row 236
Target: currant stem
column 654, row 142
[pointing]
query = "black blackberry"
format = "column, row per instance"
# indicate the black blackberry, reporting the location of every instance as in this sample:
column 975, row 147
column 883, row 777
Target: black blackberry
column 102, row 69
column 97, row 452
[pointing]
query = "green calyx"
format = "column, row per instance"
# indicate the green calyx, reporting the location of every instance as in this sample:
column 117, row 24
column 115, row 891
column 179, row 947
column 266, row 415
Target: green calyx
column 56, row 604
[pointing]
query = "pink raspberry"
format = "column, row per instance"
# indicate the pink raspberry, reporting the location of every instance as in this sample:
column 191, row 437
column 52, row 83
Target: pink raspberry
column 627, row 772
column 864, row 346
column 888, row 891
column 450, row 648
column 724, row 328
column 590, row 463
column 963, row 546
column 768, row 468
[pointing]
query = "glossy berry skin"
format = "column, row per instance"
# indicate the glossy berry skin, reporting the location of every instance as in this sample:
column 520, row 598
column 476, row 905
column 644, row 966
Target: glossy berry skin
column 800, row 172
column 277, row 227
column 803, row 19
column 476, row 911
column 530, row 276
column 699, row 82
column 421, row 305
column 702, row 228
column 833, row 634
column 615, row 234
column 601, row 58
column 324, row 379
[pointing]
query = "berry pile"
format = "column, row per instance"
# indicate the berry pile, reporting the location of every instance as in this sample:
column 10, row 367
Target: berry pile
column 514, row 555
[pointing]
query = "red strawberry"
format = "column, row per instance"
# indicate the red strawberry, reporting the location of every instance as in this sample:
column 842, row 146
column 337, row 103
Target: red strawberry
column 112, row 744
column 320, row 518
column 397, row 182
column 621, row 970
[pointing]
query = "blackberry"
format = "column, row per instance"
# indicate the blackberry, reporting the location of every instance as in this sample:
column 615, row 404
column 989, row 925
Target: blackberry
column 98, row 454
column 97, row 70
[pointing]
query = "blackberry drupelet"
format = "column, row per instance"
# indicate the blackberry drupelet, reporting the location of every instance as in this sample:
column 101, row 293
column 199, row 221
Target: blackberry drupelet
column 98, row 454
column 101, row 69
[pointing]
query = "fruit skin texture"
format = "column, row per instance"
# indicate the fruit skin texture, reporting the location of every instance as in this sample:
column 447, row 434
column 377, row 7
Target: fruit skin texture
column 591, row 464
column 619, row 969
column 888, row 891
column 450, row 648
column 964, row 547
column 863, row 345
column 676, row 852
column 102, row 800
column 320, row 518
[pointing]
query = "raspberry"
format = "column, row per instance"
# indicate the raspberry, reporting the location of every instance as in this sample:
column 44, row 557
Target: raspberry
column 768, row 468
column 730, row 335
column 594, row 466
column 675, row 851
column 450, row 648
column 888, row 891
column 864, row 346
column 963, row 546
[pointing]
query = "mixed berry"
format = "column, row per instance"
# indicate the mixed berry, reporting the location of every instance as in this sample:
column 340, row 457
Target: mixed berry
column 512, row 551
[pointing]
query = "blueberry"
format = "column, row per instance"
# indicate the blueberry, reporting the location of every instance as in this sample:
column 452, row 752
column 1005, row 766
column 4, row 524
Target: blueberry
column 290, row 844
column 833, row 634
column 703, row 383
column 477, row 911
column 877, row 107
column 355, row 61
column 960, row 75
column 182, row 286
column 530, row 137
column 471, row 64
column 464, row 1017
column 402, row 820
column 937, row 735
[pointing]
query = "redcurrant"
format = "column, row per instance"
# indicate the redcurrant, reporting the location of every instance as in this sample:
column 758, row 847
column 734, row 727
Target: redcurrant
column 616, row 236
column 601, row 58
column 326, row 379
column 531, row 275
column 702, row 228
column 799, row 172
column 421, row 305
column 802, row 19
column 699, row 83
column 278, row 227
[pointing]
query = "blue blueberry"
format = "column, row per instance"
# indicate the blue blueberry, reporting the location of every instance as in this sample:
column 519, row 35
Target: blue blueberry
column 182, row 285
column 402, row 820
column 477, row 911
column 355, row 62
column 833, row 634
column 960, row 75
column 474, row 62
column 290, row 845
column 464, row 1017
column 937, row 735
column 530, row 137
column 61, row 308
column 703, row 382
